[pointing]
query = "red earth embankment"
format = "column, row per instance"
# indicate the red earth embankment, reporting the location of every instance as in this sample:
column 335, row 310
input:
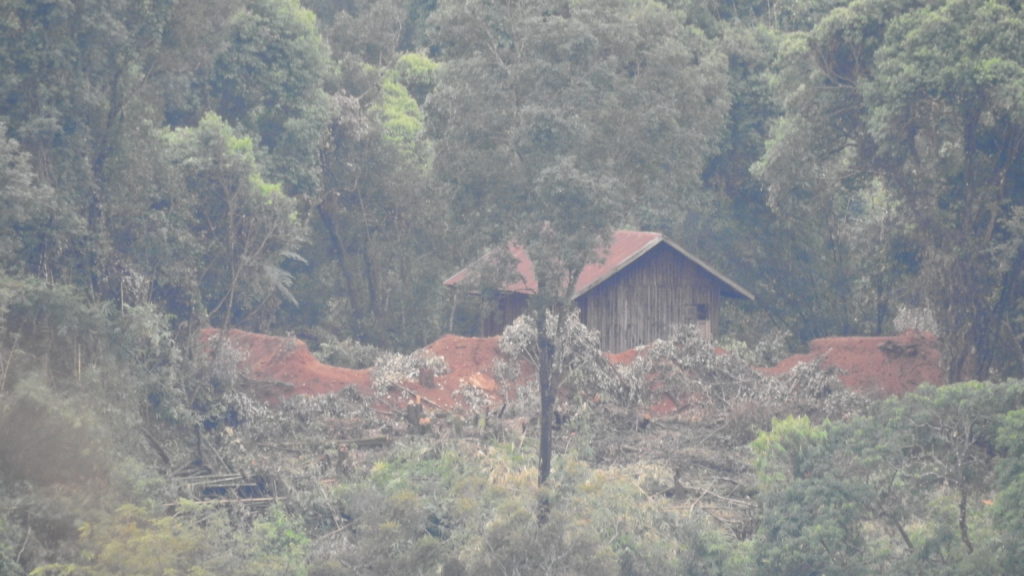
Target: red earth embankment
column 469, row 362
column 278, row 367
column 286, row 364
column 882, row 365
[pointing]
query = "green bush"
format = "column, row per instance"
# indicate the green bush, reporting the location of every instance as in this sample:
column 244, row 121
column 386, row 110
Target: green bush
column 471, row 508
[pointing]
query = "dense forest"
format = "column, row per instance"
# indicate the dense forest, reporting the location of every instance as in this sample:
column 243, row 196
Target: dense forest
column 317, row 168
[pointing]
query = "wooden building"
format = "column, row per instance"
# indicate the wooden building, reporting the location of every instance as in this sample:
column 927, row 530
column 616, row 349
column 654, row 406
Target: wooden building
column 645, row 286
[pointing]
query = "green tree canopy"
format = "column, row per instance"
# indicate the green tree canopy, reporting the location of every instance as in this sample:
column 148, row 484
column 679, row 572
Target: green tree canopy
column 245, row 226
column 556, row 122
column 919, row 105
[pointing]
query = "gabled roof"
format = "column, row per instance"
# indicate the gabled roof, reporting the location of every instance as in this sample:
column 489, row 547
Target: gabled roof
column 625, row 248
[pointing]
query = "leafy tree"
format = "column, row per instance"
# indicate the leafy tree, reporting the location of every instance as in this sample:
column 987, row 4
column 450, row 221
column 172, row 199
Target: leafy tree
column 904, row 489
column 378, row 221
column 557, row 122
column 739, row 229
column 369, row 32
column 911, row 103
column 8, row 555
column 376, row 224
column 245, row 225
column 1010, row 470
column 458, row 508
column 934, row 475
column 812, row 520
column 277, row 544
column 136, row 541
column 953, row 427
column 85, row 84
column 30, row 226
column 949, row 134
column 822, row 218
column 270, row 80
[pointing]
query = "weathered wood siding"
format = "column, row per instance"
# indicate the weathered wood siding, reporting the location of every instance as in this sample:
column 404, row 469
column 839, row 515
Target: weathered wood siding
column 505, row 308
column 658, row 292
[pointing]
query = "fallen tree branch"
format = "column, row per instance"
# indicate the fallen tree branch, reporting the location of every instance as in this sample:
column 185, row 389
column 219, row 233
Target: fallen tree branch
column 28, row 532
column 708, row 492
column 261, row 500
column 421, row 397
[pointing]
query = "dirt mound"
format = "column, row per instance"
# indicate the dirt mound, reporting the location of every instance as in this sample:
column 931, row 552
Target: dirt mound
column 275, row 367
column 469, row 363
column 278, row 366
column 467, row 384
column 875, row 365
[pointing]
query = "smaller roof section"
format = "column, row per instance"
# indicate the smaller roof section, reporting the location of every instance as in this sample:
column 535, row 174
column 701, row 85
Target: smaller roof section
column 625, row 248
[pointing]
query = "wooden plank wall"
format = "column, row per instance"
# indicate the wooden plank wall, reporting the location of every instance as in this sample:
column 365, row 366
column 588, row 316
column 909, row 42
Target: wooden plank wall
column 648, row 299
column 504, row 310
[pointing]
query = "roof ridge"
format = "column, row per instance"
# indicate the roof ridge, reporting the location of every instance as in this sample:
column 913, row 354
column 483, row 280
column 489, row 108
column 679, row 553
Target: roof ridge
column 594, row 274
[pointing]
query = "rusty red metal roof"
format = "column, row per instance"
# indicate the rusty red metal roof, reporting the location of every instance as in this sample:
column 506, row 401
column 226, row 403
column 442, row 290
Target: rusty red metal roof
column 625, row 248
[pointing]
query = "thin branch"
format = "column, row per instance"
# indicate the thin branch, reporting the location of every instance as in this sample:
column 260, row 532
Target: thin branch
column 24, row 543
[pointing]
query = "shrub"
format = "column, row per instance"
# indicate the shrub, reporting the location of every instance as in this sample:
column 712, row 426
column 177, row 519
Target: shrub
column 347, row 353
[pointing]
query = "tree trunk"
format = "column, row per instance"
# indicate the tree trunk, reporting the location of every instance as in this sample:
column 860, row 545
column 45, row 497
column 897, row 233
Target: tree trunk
column 545, row 360
column 547, row 397
column 356, row 305
column 964, row 535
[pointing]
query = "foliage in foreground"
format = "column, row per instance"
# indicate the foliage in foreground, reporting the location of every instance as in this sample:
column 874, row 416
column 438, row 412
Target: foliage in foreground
column 921, row 485
column 471, row 509
column 928, row 483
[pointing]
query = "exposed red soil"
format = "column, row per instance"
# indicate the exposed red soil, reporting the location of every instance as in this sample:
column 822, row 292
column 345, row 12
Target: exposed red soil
column 625, row 357
column 286, row 365
column 277, row 367
column 882, row 365
column 469, row 363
